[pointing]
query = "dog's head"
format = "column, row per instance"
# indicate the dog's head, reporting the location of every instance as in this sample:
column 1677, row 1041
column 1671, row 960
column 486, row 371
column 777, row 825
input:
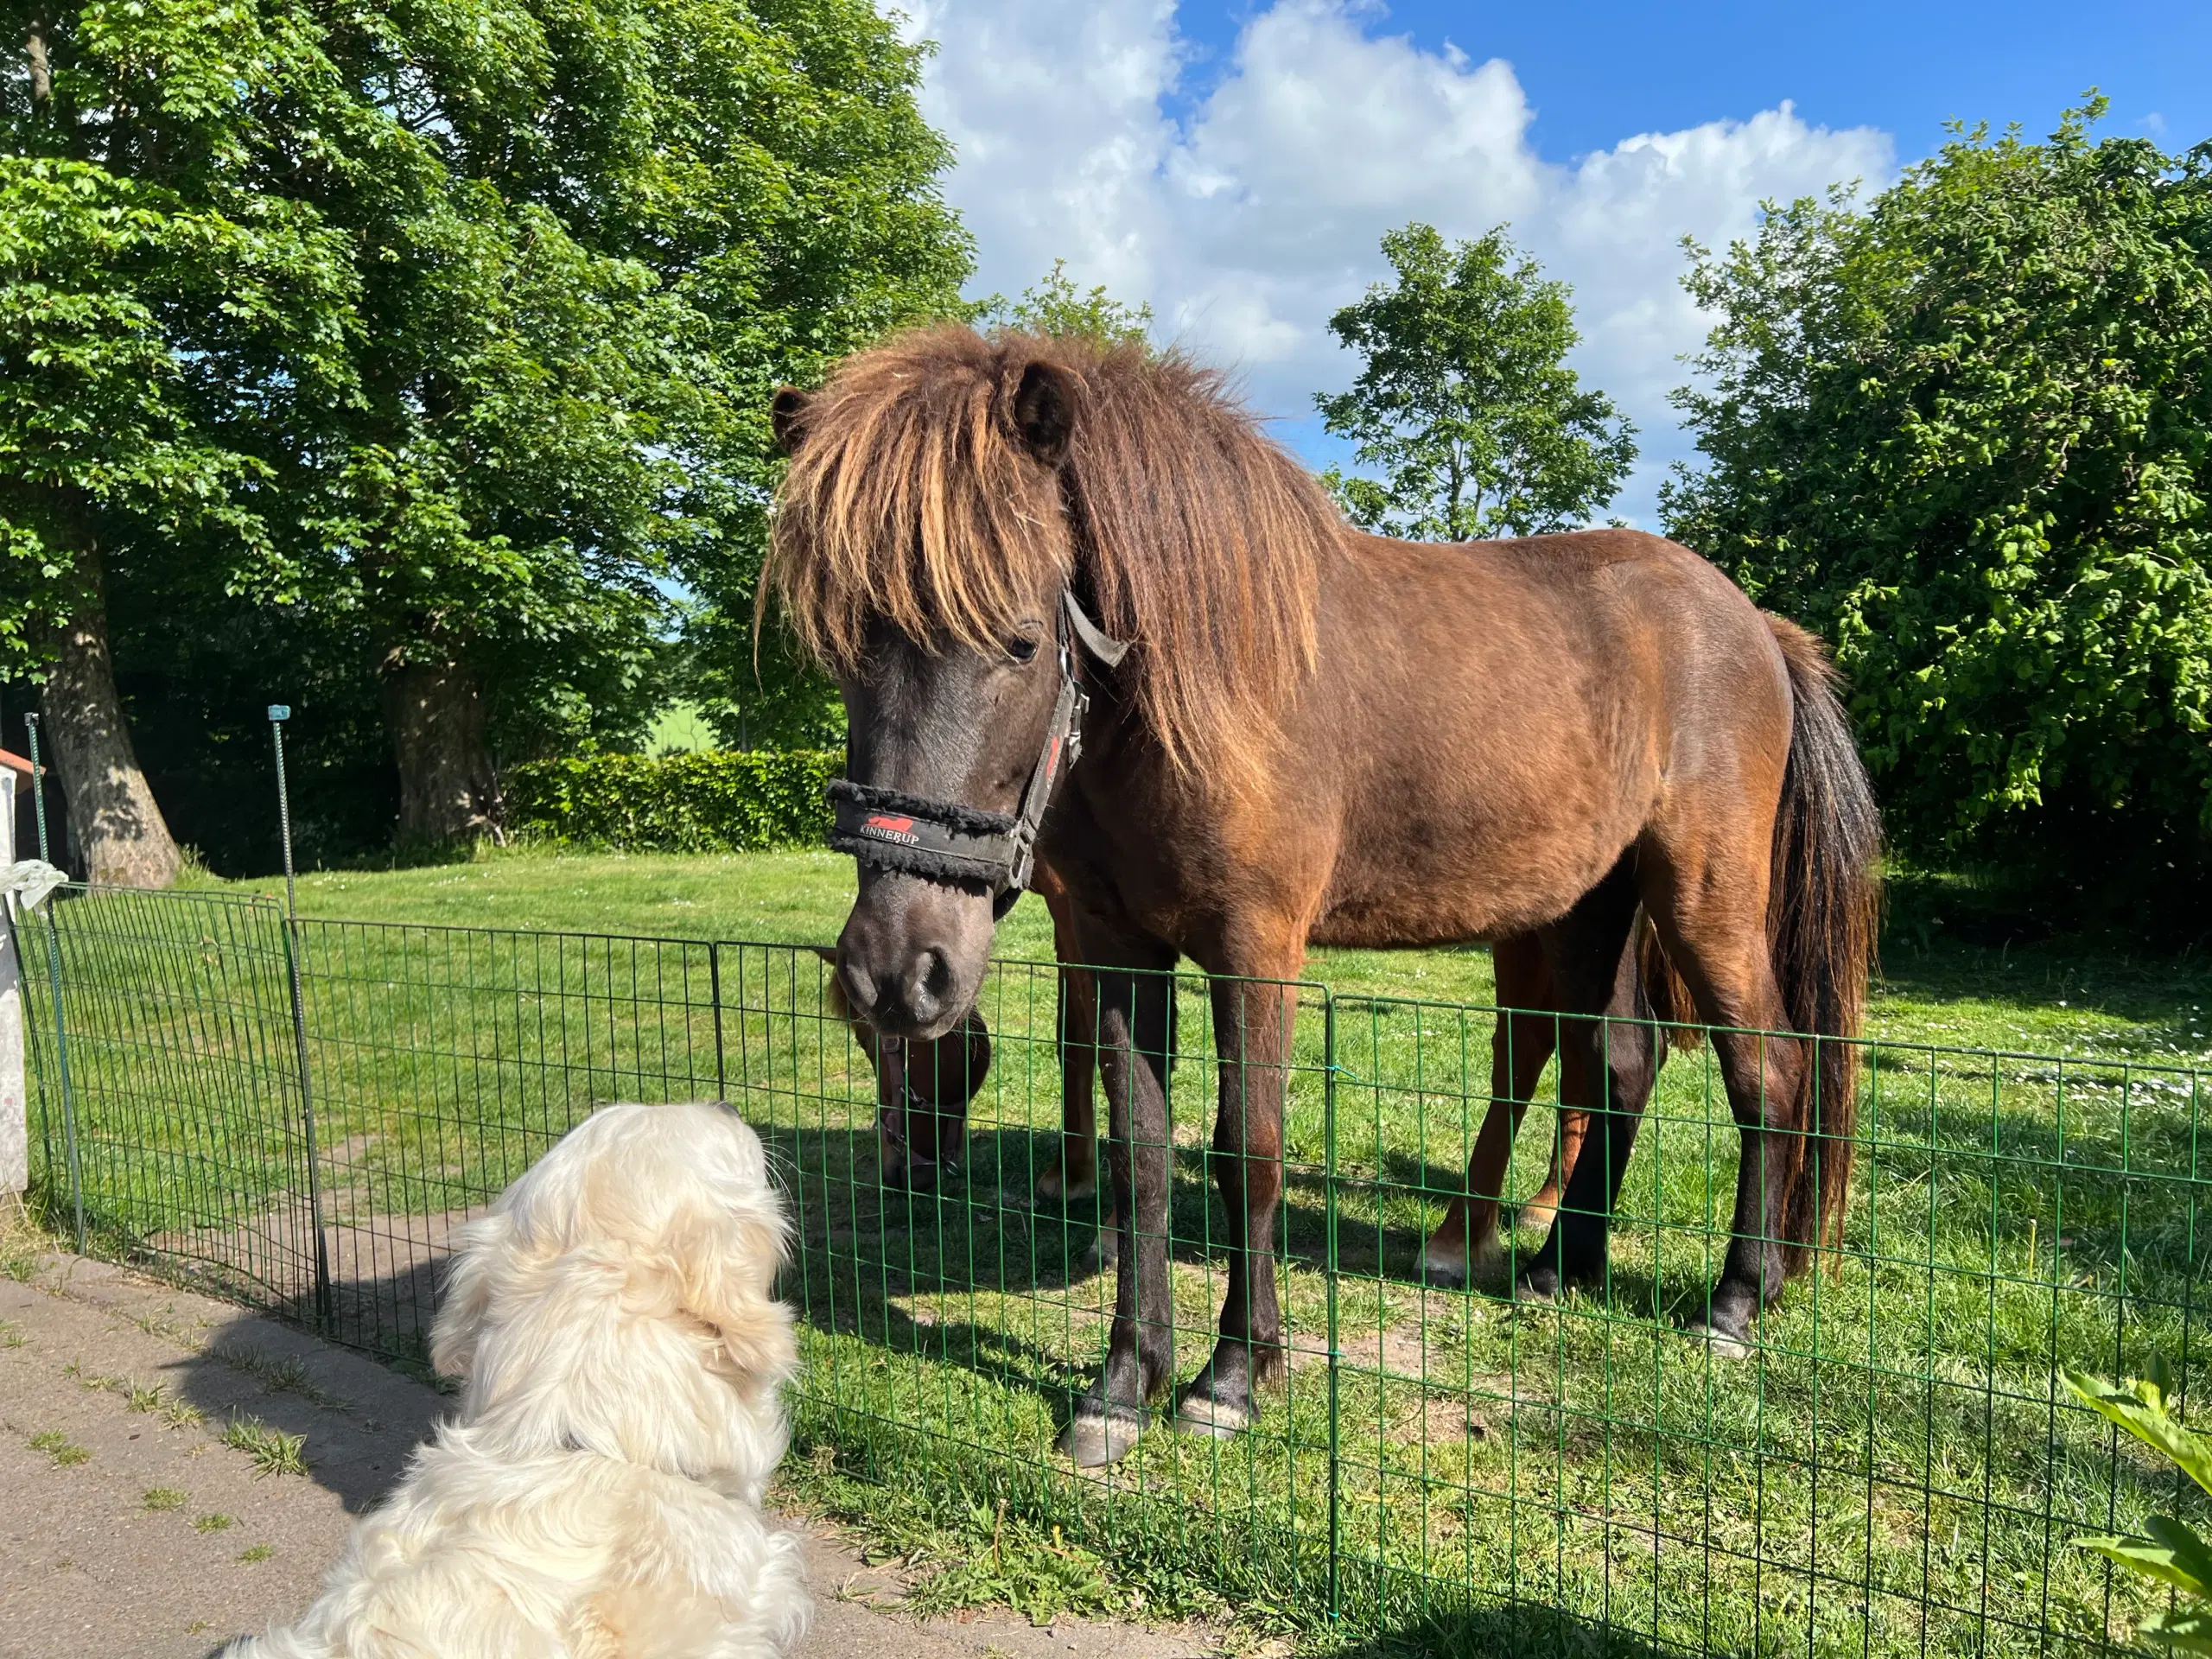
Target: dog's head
column 620, row 1298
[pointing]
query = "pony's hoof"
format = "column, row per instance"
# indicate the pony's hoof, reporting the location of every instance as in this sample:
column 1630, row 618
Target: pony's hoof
column 1443, row 1275
column 1098, row 1435
column 1219, row 1420
column 1724, row 1345
column 1539, row 1284
column 1105, row 1250
column 1450, row 1269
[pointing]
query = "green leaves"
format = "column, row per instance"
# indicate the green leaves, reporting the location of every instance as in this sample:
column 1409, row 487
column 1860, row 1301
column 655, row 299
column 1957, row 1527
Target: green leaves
column 2169, row 1552
column 1466, row 405
column 1056, row 306
column 1962, row 428
column 440, row 330
column 717, row 802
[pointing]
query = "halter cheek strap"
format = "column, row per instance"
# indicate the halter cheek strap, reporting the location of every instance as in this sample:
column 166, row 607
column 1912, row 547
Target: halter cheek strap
column 948, row 842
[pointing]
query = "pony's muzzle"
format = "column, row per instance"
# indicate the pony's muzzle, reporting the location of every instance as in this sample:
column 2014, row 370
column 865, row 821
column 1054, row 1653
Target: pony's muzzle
column 911, row 956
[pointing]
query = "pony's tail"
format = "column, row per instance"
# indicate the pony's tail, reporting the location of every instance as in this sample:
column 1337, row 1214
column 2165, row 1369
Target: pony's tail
column 1672, row 1011
column 1823, row 912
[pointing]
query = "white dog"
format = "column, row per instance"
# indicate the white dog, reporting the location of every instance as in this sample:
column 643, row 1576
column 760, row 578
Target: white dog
column 614, row 1320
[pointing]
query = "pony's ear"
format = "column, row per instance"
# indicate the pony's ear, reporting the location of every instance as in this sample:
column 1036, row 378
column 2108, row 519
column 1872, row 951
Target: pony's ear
column 1044, row 411
column 787, row 415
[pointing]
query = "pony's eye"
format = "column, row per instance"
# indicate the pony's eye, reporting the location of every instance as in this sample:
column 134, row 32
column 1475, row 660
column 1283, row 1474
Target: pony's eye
column 1021, row 649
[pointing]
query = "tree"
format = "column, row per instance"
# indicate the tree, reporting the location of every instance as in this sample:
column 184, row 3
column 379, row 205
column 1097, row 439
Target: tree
column 1056, row 306
column 1967, row 431
column 141, row 299
column 1465, row 404
column 567, row 254
column 572, row 364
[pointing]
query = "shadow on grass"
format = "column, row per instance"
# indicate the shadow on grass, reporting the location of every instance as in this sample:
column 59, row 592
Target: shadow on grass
column 1503, row 1633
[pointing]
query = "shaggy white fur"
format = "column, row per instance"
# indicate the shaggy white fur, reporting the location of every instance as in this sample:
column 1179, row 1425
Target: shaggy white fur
column 614, row 1321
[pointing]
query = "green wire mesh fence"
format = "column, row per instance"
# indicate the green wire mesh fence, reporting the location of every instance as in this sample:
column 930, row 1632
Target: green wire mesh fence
column 1891, row 1471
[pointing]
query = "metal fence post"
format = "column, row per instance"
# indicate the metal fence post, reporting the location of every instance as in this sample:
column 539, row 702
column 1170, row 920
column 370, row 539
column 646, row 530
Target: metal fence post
column 1336, row 1353
column 53, row 990
column 714, row 990
column 325, row 1308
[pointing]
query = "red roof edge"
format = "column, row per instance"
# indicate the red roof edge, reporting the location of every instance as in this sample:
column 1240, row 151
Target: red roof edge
column 15, row 762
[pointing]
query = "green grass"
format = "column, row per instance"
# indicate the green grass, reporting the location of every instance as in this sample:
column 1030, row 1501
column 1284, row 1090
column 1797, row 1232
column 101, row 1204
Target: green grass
column 273, row 1451
column 64, row 1451
column 1891, row 1474
column 680, row 728
column 160, row 1500
column 214, row 1523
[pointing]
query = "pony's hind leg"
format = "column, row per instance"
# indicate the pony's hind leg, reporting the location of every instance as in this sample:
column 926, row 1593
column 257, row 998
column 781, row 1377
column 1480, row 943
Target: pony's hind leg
column 1714, row 930
column 1566, row 1146
column 1608, row 1060
column 1074, row 1174
column 1520, row 1046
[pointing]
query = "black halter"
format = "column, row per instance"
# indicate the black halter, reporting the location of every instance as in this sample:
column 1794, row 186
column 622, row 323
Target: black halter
column 948, row 842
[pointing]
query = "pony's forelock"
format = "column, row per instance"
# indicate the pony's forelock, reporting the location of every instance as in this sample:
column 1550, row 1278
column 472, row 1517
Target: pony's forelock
column 911, row 498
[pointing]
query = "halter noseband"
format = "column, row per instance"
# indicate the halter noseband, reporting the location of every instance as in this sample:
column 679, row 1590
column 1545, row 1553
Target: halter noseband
column 948, row 842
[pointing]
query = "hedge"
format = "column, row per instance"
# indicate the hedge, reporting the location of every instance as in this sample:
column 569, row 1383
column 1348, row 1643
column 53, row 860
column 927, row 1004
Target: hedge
column 721, row 802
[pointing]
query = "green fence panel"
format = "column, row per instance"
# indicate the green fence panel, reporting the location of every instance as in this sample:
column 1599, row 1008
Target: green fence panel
column 1892, row 1470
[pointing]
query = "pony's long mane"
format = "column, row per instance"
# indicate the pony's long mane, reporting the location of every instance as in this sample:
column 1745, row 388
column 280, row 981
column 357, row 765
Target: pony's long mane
column 910, row 496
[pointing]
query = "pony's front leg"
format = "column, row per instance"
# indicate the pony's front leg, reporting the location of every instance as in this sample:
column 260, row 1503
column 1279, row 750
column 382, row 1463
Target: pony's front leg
column 1252, row 1020
column 1133, row 1035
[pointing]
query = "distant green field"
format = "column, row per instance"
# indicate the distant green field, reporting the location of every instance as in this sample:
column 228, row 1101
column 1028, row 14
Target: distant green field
column 1891, row 1475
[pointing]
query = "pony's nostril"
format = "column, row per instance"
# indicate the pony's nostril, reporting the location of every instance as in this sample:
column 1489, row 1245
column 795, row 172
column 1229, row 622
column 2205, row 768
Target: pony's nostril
column 929, row 984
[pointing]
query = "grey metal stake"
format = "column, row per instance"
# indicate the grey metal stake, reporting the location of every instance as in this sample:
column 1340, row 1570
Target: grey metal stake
column 53, row 990
column 325, row 1305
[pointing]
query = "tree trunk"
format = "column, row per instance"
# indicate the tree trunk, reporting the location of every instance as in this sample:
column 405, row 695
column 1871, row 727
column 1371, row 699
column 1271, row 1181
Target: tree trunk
column 448, row 790
column 119, row 830
column 42, row 74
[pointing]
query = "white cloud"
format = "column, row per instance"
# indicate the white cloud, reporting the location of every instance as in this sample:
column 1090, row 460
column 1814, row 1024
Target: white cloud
column 1248, row 223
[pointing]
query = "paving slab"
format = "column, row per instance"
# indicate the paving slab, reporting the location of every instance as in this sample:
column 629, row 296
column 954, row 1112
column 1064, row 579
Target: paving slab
column 135, row 1520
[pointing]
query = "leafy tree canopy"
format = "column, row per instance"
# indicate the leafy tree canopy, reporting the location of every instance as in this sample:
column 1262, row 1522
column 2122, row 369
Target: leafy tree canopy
column 1057, row 306
column 1967, row 431
column 448, row 332
column 1465, row 405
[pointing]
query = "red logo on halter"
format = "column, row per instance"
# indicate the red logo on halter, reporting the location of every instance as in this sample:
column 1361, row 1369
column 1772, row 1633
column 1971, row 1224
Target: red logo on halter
column 892, row 828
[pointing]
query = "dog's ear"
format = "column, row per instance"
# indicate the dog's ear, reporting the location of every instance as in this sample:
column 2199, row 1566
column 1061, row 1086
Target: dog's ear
column 479, row 1247
column 727, row 1278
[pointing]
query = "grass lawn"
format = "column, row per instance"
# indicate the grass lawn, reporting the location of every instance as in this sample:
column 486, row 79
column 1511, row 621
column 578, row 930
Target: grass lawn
column 2058, row 997
column 1891, row 1473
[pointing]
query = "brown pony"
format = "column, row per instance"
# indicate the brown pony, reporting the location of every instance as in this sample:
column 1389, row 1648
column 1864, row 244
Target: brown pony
column 1319, row 735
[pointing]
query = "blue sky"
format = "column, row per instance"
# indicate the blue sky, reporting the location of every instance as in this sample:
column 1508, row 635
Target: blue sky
column 1235, row 165
column 1597, row 72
